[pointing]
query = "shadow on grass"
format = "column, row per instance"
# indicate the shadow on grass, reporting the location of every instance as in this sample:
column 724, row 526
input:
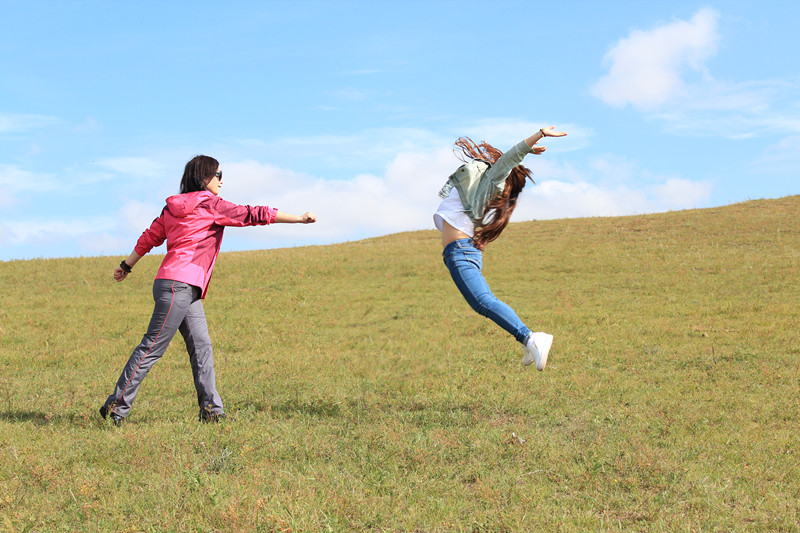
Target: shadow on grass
column 41, row 419
column 315, row 407
column 445, row 413
column 83, row 419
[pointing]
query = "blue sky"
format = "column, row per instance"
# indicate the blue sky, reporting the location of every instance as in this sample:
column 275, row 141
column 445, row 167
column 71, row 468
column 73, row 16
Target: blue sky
column 350, row 109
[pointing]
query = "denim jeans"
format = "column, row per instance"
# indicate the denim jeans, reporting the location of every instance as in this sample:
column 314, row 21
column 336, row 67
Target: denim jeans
column 178, row 307
column 465, row 263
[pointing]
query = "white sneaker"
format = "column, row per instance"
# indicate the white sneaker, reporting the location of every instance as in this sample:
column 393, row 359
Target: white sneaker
column 537, row 349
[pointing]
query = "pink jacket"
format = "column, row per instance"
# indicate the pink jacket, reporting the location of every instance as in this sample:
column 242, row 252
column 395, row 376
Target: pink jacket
column 192, row 224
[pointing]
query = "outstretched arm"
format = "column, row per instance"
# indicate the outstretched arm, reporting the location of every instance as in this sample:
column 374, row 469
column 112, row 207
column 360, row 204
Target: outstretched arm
column 541, row 134
column 286, row 218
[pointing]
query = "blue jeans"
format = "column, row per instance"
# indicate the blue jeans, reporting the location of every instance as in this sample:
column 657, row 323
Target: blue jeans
column 465, row 263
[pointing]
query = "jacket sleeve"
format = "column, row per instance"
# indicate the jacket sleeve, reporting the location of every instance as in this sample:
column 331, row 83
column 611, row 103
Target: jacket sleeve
column 152, row 237
column 230, row 214
column 501, row 169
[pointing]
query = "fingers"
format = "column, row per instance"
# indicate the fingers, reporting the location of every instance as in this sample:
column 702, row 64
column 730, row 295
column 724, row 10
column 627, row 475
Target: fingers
column 550, row 133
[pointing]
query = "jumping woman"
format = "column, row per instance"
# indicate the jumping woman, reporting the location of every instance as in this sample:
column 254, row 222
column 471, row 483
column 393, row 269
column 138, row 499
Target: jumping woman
column 192, row 223
column 477, row 202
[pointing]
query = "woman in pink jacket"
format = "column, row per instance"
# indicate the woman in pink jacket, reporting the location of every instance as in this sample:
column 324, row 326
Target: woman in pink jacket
column 192, row 223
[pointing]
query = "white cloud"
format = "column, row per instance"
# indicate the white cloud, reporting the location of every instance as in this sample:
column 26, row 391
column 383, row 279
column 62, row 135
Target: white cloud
column 15, row 180
column 400, row 196
column 338, row 156
column 403, row 199
column 610, row 185
column 677, row 193
column 612, row 168
column 663, row 73
column 18, row 122
column 135, row 217
column 7, row 200
column 132, row 166
column 782, row 157
column 647, row 68
column 70, row 236
column 734, row 110
column 103, row 243
column 787, row 147
column 559, row 199
column 44, row 231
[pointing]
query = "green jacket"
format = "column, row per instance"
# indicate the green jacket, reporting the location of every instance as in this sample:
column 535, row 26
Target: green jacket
column 478, row 181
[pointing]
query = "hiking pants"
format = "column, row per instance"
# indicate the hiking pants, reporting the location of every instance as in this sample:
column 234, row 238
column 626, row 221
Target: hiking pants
column 178, row 307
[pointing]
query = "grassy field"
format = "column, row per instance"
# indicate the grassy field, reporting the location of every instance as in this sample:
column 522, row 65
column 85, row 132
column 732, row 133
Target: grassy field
column 364, row 395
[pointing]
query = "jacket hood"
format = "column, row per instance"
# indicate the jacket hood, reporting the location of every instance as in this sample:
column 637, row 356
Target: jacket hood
column 181, row 205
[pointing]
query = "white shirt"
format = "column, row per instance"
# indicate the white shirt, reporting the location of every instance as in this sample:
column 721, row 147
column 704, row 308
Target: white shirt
column 452, row 210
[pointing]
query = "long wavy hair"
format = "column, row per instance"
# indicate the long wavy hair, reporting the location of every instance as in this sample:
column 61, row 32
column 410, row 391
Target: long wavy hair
column 198, row 173
column 499, row 208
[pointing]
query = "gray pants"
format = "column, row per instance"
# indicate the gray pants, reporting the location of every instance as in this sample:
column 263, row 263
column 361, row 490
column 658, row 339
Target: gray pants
column 178, row 308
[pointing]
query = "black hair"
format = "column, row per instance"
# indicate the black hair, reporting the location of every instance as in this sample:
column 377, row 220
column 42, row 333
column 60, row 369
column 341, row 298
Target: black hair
column 198, row 173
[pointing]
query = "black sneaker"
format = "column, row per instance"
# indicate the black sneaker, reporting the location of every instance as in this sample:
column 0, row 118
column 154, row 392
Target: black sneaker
column 208, row 417
column 114, row 416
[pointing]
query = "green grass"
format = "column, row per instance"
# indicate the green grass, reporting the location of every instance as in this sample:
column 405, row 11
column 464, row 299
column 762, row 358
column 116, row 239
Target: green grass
column 364, row 395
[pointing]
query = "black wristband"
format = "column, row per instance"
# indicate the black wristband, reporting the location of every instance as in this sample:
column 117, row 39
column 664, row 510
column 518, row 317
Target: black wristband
column 126, row 267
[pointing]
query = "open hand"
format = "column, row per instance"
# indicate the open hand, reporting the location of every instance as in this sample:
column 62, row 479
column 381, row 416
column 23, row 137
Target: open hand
column 548, row 132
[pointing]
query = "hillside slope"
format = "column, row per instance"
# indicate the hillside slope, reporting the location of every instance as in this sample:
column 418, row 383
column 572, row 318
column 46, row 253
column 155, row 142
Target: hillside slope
column 363, row 393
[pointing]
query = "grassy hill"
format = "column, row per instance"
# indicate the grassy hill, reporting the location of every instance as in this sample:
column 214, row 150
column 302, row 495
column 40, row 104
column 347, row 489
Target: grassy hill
column 364, row 394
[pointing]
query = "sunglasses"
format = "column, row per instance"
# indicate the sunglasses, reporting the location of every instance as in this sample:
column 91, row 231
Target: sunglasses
column 218, row 174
